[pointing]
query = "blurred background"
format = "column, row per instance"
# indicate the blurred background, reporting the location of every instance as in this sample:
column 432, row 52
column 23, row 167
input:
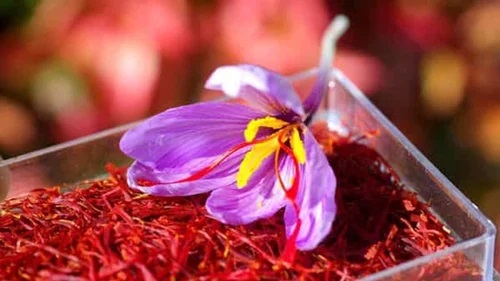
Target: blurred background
column 71, row 68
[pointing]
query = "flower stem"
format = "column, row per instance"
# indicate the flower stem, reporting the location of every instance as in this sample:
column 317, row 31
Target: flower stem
column 328, row 47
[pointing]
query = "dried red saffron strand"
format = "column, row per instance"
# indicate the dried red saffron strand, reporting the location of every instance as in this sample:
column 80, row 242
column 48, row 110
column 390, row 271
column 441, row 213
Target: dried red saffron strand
column 290, row 251
column 119, row 234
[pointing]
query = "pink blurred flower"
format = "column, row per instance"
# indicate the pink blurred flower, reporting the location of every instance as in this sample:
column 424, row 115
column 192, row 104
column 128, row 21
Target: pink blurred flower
column 124, row 69
column 164, row 23
column 119, row 45
column 281, row 35
column 77, row 122
column 158, row 23
column 365, row 71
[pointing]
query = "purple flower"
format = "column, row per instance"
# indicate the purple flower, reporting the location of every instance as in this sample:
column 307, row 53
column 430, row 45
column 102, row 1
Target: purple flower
column 255, row 158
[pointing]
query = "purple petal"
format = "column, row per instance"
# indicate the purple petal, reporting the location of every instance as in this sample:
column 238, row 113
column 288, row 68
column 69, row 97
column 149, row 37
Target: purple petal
column 316, row 198
column 320, row 89
column 179, row 135
column 221, row 177
column 262, row 88
column 261, row 198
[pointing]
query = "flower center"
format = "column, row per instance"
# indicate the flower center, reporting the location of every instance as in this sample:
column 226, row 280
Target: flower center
column 286, row 138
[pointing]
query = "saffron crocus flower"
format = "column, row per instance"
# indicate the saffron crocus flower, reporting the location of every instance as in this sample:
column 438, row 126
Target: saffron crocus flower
column 255, row 158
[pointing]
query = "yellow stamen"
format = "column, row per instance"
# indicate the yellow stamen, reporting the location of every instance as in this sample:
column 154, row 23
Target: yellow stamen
column 268, row 122
column 297, row 146
column 253, row 159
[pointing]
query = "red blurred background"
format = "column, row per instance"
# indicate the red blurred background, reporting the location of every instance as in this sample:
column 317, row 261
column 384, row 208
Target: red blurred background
column 71, row 68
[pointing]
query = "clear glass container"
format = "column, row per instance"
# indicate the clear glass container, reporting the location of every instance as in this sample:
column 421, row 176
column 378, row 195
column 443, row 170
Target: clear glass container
column 347, row 111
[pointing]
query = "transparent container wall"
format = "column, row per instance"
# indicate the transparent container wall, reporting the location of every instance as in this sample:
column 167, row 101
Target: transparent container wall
column 350, row 113
column 346, row 111
column 63, row 165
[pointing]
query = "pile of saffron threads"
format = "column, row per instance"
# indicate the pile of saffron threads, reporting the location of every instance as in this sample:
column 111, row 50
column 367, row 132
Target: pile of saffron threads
column 103, row 230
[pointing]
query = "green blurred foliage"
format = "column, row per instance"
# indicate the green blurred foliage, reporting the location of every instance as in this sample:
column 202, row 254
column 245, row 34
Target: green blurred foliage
column 15, row 12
